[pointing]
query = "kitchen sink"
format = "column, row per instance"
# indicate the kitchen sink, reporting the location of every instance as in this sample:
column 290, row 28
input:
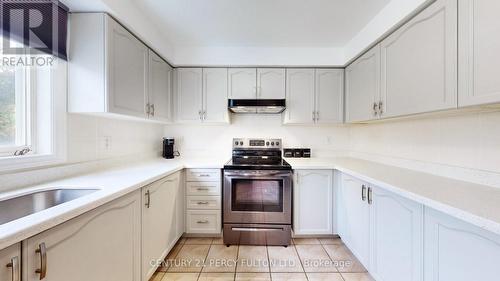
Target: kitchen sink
column 18, row 207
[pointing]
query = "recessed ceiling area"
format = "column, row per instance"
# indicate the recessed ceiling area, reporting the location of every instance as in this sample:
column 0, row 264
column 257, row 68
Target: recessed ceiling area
column 256, row 32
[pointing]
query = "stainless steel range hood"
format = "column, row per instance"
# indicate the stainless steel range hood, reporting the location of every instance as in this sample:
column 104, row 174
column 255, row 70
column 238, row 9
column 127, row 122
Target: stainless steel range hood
column 257, row 106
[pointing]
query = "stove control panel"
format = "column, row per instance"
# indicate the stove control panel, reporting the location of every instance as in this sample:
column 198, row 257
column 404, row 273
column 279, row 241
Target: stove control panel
column 257, row 143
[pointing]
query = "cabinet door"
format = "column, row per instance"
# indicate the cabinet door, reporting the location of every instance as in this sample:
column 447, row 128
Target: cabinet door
column 215, row 95
column 101, row 245
column 127, row 71
column 160, row 88
column 188, row 95
column 10, row 263
column 242, row 83
column 270, row 83
column 419, row 63
column 329, row 95
column 313, row 202
column 158, row 220
column 363, row 86
column 478, row 45
column 455, row 250
column 354, row 218
column 180, row 212
column 396, row 237
column 299, row 96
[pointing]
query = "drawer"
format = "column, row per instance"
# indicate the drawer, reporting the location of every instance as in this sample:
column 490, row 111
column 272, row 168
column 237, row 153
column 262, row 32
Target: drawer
column 203, row 188
column 203, row 202
column 203, row 175
column 203, row 221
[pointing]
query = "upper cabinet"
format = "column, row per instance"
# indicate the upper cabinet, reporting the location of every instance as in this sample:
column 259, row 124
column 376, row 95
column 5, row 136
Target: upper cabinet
column 419, row 63
column 110, row 71
column 479, row 26
column 314, row 96
column 252, row 83
column 362, row 89
column 201, row 95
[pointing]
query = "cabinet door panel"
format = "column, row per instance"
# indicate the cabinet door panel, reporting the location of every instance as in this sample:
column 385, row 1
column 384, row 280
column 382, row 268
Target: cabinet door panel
column 363, row 86
column 101, row 245
column 160, row 88
column 455, row 250
column 299, row 96
column 188, row 95
column 313, row 202
column 479, row 26
column 396, row 237
column 330, row 95
column 419, row 63
column 270, row 83
column 128, row 59
column 242, row 83
column 12, row 256
column 179, row 209
column 215, row 95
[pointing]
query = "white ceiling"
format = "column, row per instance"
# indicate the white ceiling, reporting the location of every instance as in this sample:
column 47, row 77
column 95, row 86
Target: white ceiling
column 261, row 23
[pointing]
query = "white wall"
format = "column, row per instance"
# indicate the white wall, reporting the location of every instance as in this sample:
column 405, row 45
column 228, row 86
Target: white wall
column 208, row 140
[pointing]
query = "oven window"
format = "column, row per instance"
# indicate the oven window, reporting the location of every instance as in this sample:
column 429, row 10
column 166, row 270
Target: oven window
column 257, row 195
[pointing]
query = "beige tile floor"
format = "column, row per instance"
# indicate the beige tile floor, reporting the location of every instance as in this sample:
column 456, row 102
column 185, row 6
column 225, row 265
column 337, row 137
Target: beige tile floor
column 308, row 259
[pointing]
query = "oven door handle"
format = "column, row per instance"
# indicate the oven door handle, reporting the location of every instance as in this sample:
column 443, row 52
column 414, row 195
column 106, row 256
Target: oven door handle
column 267, row 174
column 244, row 229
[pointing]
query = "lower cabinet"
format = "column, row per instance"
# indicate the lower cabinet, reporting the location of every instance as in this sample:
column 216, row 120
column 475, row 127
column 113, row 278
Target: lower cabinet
column 396, row 237
column 203, row 221
column 158, row 222
column 10, row 263
column 101, row 245
column 313, row 202
column 458, row 251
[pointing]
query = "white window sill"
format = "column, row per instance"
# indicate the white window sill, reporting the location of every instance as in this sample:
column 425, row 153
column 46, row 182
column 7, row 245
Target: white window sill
column 26, row 162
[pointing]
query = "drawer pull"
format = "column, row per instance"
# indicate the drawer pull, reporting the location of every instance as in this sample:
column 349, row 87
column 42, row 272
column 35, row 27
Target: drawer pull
column 202, row 203
column 14, row 266
column 42, row 250
column 148, row 199
column 363, row 192
column 203, row 222
column 202, row 189
column 204, row 175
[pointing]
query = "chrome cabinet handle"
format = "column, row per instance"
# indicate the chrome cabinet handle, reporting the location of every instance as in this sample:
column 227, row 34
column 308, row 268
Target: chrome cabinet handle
column 375, row 106
column 202, row 188
column 201, row 116
column 152, row 110
column 203, row 222
column 370, row 195
column 148, row 199
column 204, row 175
column 14, row 267
column 363, row 192
column 313, row 116
column 380, row 108
column 202, row 203
column 317, row 115
column 42, row 250
column 148, row 109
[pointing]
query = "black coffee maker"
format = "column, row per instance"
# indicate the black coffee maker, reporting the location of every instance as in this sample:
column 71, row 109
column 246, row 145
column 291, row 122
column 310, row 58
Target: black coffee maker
column 168, row 148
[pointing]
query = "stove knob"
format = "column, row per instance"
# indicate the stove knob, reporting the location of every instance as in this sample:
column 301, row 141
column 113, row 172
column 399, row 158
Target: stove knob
column 272, row 143
column 267, row 143
column 235, row 143
column 241, row 143
column 277, row 143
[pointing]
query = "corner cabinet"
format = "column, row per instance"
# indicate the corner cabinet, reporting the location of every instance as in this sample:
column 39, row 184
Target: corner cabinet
column 101, row 245
column 160, row 89
column 10, row 263
column 201, row 95
column 313, row 202
column 478, row 29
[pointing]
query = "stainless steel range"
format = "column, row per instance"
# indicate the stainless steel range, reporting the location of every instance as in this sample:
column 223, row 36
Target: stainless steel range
column 257, row 194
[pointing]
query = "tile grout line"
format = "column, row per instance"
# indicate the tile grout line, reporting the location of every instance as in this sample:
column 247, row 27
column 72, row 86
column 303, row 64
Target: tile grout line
column 269, row 263
column 300, row 260
column 205, row 260
column 237, row 261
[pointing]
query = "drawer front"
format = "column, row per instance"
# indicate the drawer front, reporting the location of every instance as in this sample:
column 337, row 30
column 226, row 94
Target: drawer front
column 203, row 175
column 203, row 202
column 203, row 188
column 203, row 221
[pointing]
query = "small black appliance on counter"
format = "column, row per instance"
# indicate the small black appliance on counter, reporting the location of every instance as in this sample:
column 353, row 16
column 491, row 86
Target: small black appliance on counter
column 168, row 148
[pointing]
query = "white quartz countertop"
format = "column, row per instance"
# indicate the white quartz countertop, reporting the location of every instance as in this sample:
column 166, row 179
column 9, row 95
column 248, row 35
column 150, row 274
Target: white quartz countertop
column 473, row 203
column 112, row 184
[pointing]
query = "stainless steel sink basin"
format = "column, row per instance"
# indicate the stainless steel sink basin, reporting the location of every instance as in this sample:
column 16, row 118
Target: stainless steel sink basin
column 18, row 207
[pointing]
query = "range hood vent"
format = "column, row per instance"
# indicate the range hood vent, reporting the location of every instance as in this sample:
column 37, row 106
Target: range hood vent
column 257, row 106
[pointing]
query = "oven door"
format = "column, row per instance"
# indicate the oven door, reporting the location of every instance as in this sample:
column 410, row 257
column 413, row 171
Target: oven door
column 257, row 197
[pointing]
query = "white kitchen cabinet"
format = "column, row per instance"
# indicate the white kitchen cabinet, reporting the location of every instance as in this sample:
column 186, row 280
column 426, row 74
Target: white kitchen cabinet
column 101, row 245
column 271, row 83
column 419, row 63
column 362, row 90
column 107, row 69
column 158, row 222
column 215, row 95
column 180, row 211
column 203, row 221
column 242, row 83
column 396, row 231
column 313, row 202
column 455, row 250
column 329, row 91
column 354, row 217
column 10, row 263
column 300, row 106
column 478, row 45
column 159, row 104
